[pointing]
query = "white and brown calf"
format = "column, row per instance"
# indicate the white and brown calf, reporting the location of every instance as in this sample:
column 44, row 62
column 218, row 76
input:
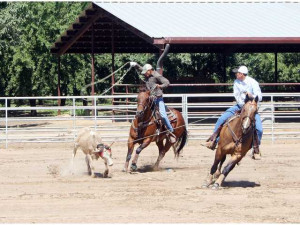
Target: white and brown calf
column 90, row 143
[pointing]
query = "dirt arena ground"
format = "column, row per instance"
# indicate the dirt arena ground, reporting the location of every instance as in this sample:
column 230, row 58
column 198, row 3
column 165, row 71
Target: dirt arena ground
column 36, row 186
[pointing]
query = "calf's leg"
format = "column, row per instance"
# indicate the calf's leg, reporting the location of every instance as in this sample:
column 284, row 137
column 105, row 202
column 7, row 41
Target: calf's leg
column 91, row 168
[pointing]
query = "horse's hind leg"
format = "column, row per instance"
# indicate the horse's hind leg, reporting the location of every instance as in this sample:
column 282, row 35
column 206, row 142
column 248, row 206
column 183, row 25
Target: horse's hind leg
column 231, row 164
column 162, row 151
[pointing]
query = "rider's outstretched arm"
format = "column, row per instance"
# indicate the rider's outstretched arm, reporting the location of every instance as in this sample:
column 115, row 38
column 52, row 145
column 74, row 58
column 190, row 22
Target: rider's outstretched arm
column 136, row 65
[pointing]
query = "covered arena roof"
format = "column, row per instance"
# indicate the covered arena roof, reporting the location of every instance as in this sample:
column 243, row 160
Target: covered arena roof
column 143, row 27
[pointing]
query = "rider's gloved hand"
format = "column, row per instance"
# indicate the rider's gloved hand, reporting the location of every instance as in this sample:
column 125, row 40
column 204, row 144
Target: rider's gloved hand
column 133, row 64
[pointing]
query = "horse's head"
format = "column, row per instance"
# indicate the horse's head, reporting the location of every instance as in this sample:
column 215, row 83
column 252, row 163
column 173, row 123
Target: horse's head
column 143, row 102
column 248, row 113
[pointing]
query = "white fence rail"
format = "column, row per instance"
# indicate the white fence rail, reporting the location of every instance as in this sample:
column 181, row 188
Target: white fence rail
column 280, row 113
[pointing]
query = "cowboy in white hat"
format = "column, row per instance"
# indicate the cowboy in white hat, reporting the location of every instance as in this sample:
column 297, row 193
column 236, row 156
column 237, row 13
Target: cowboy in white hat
column 242, row 86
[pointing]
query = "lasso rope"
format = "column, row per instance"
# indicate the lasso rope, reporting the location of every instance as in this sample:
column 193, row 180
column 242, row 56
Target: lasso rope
column 166, row 130
column 119, row 81
column 103, row 79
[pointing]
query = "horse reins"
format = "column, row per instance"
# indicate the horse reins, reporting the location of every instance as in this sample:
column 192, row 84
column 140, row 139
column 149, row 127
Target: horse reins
column 251, row 126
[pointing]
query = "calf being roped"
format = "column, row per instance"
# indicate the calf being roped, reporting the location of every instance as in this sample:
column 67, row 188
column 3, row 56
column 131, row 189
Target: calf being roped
column 90, row 143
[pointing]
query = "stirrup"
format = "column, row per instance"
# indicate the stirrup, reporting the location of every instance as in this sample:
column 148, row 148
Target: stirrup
column 256, row 150
column 157, row 132
column 211, row 144
column 172, row 138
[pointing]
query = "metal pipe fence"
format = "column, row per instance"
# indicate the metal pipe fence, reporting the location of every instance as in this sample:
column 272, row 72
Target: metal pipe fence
column 280, row 113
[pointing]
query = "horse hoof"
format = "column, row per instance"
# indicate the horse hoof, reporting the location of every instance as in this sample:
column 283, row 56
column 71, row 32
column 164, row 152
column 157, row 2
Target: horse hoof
column 216, row 186
column 93, row 176
column 124, row 170
column 205, row 186
column 155, row 168
column 133, row 167
column 108, row 175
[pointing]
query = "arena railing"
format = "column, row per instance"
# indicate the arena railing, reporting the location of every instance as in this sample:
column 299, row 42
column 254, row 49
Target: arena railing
column 279, row 112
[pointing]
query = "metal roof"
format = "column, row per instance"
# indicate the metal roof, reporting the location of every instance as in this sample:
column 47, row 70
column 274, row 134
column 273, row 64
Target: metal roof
column 210, row 19
column 189, row 27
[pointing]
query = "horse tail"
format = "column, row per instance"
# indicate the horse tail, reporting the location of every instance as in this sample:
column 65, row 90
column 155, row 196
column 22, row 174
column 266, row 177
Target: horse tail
column 182, row 140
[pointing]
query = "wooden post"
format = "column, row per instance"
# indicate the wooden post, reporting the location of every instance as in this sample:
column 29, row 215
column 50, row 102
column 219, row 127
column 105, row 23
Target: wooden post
column 113, row 65
column 113, row 58
column 58, row 85
column 93, row 68
column 276, row 70
column 224, row 70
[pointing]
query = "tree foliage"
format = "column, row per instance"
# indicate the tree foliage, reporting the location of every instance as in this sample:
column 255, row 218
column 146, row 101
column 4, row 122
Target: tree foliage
column 27, row 68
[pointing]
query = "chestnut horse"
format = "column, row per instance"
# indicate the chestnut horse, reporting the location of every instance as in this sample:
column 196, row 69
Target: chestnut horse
column 236, row 139
column 145, row 129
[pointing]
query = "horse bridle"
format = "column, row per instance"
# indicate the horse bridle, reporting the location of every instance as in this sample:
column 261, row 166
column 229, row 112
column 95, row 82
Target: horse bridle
column 248, row 116
column 145, row 106
column 238, row 140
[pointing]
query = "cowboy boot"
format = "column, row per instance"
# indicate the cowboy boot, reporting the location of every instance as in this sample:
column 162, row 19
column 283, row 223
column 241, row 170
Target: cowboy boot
column 211, row 142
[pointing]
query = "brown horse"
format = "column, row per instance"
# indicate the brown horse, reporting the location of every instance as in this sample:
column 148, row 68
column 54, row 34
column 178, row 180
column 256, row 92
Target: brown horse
column 144, row 130
column 236, row 139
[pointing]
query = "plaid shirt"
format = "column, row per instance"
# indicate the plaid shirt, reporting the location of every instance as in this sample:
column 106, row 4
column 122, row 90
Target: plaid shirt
column 154, row 79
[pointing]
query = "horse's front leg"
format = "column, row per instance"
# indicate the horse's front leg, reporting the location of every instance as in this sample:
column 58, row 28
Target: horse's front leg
column 130, row 145
column 218, row 172
column 210, row 178
column 231, row 164
column 137, row 152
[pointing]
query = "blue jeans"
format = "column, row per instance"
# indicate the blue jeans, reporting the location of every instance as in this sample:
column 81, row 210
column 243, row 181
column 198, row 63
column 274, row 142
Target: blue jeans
column 162, row 110
column 230, row 112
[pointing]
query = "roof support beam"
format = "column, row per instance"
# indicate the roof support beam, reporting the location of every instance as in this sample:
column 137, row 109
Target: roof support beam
column 228, row 40
column 127, row 26
column 79, row 33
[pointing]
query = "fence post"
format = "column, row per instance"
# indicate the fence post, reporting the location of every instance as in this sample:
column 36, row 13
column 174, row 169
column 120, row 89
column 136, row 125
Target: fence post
column 272, row 118
column 126, row 87
column 74, row 118
column 95, row 116
column 6, row 124
column 184, row 110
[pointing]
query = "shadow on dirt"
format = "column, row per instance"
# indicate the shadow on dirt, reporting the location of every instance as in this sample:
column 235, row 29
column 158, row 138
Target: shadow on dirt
column 146, row 169
column 26, row 125
column 243, row 184
column 150, row 168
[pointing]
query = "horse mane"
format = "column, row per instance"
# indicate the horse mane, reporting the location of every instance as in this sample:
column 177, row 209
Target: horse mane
column 248, row 98
column 143, row 89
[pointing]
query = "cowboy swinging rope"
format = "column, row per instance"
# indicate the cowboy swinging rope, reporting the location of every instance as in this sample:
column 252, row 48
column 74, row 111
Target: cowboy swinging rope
column 118, row 82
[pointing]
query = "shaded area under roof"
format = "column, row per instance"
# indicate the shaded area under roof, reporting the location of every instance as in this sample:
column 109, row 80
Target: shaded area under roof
column 188, row 27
